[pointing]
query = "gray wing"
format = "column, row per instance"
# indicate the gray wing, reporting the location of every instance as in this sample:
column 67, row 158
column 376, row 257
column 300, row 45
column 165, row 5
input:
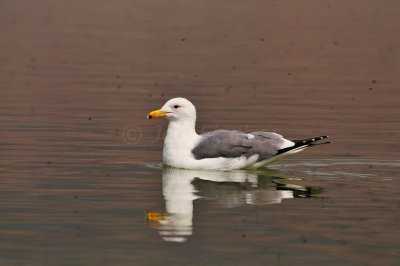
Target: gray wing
column 222, row 143
column 267, row 144
column 231, row 144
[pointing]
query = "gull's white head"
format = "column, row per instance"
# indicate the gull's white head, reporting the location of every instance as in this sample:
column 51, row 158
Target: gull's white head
column 175, row 109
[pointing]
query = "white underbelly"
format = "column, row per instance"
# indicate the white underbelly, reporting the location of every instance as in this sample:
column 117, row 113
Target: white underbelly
column 220, row 163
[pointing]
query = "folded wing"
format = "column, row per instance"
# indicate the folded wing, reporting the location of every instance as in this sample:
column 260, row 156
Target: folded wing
column 232, row 144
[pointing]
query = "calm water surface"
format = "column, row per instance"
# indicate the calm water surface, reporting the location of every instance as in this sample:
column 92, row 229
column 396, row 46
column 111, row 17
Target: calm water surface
column 81, row 179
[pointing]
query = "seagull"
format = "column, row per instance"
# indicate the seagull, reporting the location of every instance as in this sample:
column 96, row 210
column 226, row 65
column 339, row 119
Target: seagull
column 219, row 149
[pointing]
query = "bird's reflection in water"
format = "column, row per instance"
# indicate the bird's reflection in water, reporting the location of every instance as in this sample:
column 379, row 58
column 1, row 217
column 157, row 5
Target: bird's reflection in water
column 229, row 188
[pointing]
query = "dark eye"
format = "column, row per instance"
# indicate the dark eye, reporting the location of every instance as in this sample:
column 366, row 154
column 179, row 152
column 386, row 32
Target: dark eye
column 176, row 106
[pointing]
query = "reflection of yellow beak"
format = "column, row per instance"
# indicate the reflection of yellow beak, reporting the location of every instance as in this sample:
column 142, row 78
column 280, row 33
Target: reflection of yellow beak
column 156, row 113
column 154, row 216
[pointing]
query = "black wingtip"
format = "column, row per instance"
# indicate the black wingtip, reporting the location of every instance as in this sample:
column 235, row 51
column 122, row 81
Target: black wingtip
column 306, row 143
column 319, row 143
column 310, row 140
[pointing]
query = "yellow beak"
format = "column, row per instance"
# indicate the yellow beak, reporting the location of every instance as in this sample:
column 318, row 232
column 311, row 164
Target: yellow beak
column 156, row 113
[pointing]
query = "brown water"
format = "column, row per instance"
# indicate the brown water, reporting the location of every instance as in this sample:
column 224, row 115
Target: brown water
column 80, row 165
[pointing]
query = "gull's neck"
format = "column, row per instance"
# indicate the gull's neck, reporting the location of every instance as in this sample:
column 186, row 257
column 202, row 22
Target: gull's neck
column 181, row 138
column 182, row 129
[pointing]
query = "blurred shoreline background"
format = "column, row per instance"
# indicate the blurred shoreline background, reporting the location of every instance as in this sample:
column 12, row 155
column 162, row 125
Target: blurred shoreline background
column 298, row 68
